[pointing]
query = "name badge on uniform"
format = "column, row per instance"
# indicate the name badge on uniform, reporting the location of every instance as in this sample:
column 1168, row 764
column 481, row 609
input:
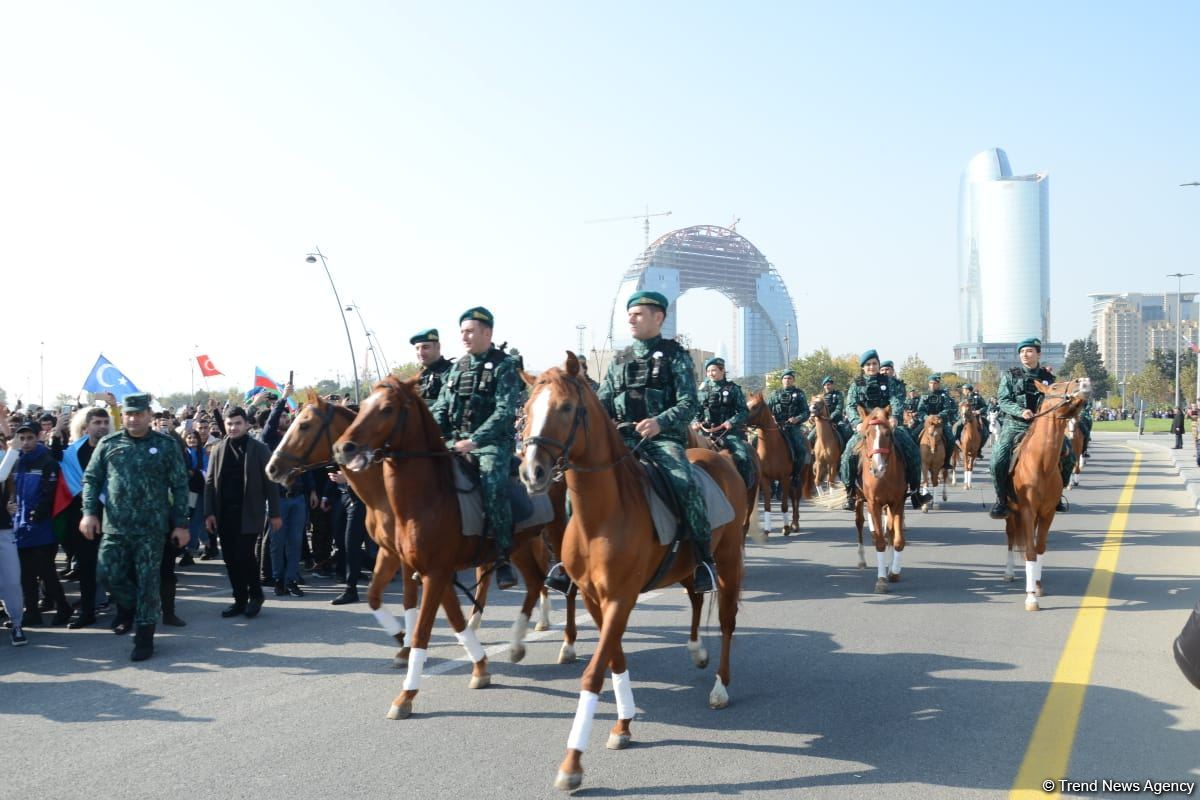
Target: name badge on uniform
column 488, row 365
column 658, row 354
column 725, row 393
column 153, row 451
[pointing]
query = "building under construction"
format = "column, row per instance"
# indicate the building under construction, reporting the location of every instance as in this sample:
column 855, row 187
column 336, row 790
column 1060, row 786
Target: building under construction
column 711, row 257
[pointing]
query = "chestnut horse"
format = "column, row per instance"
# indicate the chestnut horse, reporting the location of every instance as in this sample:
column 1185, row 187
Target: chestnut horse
column 1037, row 480
column 308, row 444
column 776, row 459
column 933, row 459
column 395, row 426
column 884, row 489
column 1075, row 437
column 967, row 449
column 827, row 446
column 610, row 549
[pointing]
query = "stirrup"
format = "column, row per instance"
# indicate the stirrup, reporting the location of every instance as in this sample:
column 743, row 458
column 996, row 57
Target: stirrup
column 558, row 579
column 704, row 579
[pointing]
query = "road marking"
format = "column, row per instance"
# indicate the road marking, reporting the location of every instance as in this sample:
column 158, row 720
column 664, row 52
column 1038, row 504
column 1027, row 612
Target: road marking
column 1050, row 746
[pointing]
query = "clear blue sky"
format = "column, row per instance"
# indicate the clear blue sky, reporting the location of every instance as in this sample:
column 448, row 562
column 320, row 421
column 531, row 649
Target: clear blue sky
column 165, row 167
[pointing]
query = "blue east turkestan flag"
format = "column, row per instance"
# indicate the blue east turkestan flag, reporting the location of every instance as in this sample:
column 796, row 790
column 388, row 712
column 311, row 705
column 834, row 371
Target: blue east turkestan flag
column 104, row 377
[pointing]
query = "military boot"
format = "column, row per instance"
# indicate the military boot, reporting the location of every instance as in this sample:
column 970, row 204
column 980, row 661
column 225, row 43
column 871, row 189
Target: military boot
column 123, row 622
column 1062, row 506
column 704, row 579
column 143, row 643
column 1000, row 509
column 505, row 577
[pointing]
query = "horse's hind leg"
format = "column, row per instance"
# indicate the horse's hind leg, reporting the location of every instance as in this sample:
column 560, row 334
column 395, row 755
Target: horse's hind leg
column 466, row 637
column 483, row 581
column 695, row 646
column 729, row 586
column 897, row 543
column 858, row 524
column 386, row 565
column 524, row 560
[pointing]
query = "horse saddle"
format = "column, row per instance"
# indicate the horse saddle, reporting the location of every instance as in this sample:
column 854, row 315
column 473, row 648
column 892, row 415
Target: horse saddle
column 528, row 511
column 664, row 508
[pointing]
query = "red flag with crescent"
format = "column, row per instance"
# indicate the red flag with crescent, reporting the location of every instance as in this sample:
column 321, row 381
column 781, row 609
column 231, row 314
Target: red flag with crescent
column 206, row 367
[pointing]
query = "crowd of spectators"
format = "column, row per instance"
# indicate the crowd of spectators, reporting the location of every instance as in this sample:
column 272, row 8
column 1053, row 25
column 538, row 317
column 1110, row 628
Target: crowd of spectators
column 266, row 535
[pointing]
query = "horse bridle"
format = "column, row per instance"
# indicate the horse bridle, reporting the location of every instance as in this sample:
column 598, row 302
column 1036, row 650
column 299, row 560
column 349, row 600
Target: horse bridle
column 563, row 463
column 878, row 450
column 301, row 461
column 387, row 451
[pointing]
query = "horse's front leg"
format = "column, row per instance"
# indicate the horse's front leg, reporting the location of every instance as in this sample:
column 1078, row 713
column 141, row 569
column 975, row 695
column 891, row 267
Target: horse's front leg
column 876, row 523
column 695, row 645
column 566, row 654
column 524, row 560
column 897, row 542
column 387, row 563
column 1025, row 524
column 434, row 586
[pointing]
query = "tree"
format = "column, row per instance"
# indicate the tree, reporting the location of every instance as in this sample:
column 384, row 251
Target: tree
column 989, row 380
column 1164, row 362
column 812, row 369
column 1086, row 352
column 951, row 381
column 406, row 370
column 915, row 372
column 1151, row 385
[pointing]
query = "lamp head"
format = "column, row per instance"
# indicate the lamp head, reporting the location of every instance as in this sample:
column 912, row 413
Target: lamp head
column 311, row 259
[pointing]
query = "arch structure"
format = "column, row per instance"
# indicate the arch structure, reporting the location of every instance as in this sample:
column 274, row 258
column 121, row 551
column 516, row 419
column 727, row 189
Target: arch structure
column 712, row 257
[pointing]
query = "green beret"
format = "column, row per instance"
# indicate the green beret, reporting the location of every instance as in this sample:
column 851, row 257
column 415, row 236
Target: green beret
column 867, row 356
column 644, row 298
column 788, row 373
column 138, row 401
column 479, row 314
column 715, row 361
column 968, row 386
column 1034, row 342
column 427, row 335
column 826, row 379
column 935, row 378
column 887, row 363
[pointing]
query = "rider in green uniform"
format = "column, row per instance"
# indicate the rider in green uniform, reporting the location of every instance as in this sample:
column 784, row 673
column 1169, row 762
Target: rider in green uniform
column 938, row 401
column 650, row 392
column 789, row 406
column 835, row 406
column 1019, row 401
column 434, row 365
column 980, row 407
column 722, row 416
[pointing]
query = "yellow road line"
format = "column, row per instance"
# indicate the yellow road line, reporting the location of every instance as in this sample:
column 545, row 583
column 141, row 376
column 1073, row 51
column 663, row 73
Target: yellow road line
column 1049, row 752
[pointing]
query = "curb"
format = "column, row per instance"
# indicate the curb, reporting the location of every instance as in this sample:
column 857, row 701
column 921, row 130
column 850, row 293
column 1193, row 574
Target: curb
column 1184, row 462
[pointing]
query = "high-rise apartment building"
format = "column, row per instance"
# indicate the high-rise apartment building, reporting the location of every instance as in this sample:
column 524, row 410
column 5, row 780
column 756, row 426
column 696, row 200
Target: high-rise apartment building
column 1129, row 326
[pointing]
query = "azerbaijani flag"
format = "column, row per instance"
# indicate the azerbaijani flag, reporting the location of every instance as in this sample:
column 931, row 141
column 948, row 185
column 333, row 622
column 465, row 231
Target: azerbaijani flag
column 70, row 483
column 264, row 381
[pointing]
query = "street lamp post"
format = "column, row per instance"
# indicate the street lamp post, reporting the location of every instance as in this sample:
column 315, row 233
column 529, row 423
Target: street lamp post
column 370, row 339
column 1196, row 183
column 1179, row 276
column 311, row 258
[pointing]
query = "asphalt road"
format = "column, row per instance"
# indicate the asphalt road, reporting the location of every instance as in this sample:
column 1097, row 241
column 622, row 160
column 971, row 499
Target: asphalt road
column 931, row 691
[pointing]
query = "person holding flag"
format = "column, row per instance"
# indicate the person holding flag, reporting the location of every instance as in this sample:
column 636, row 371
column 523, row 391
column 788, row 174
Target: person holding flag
column 105, row 378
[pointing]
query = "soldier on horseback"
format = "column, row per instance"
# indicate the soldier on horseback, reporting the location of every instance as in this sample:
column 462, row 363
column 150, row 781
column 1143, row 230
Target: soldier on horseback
column 869, row 391
column 722, row 416
column 476, row 410
column 980, row 406
column 789, row 406
column 434, row 365
column 649, row 390
column 835, row 406
column 939, row 402
column 1019, row 401
column 888, row 369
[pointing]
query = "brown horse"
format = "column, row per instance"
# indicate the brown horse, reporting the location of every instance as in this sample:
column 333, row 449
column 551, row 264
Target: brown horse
column 933, row 459
column 827, row 446
column 777, row 464
column 969, row 444
column 610, row 549
column 884, row 489
column 1037, row 480
column 752, row 526
column 395, row 426
column 1075, row 436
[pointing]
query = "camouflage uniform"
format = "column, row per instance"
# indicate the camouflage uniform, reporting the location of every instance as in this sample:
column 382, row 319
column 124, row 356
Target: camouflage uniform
column 835, row 404
column 722, row 401
column 1016, row 394
column 787, row 404
column 479, row 401
column 871, row 393
column 141, row 486
column 429, row 384
column 980, row 407
column 1085, row 424
column 655, row 378
column 940, row 402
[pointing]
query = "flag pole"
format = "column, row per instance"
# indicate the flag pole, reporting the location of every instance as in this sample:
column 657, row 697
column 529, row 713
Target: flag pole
column 192, row 372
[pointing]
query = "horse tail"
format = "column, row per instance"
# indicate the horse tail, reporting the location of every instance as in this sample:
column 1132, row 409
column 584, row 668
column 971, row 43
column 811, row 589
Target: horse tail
column 755, row 532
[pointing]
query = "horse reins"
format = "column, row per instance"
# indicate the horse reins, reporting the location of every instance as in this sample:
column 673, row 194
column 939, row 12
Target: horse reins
column 563, row 463
column 301, row 462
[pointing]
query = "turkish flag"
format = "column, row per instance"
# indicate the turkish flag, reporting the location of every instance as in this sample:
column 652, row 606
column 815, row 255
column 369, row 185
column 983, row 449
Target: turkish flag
column 206, row 367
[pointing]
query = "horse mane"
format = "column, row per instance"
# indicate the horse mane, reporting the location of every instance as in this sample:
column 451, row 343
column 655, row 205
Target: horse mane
column 431, row 433
column 626, row 470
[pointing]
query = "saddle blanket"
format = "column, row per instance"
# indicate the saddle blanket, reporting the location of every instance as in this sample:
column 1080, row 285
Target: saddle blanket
column 470, row 504
column 720, row 512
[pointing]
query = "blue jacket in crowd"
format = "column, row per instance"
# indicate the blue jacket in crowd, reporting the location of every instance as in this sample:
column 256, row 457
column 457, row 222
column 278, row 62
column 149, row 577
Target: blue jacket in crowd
column 35, row 481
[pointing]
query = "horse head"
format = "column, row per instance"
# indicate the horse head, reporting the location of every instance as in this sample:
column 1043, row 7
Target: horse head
column 876, row 431
column 1071, row 395
column 389, row 418
column 308, row 441
column 966, row 411
column 758, row 410
column 555, row 415
column 817, row 408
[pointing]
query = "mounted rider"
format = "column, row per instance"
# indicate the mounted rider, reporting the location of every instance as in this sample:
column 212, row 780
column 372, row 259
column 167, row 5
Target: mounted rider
column 583, row 367
column 870, row 391
column 1019, row 401
column 434, row 365
column 789, row 406
column 968, row 394
column 1085, row 425
column 722, row 416
column 939, row 402
column 650, row 391
column 835, row 406
column 476, row 410
column 887, row 367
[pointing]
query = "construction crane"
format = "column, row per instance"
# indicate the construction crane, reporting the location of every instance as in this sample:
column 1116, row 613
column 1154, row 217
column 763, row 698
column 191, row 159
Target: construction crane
column 645, row 218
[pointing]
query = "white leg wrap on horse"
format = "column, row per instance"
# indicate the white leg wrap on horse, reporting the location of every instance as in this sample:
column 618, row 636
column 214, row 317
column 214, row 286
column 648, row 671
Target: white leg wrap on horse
column 520, row 628
column 387, row 620
column 881, row 563
column 896, row 561
column 623, row 689
column 416, row 663
column 544, row 610
column 1030, row 579
column 470, row 642
column 581, row 729
column 410, row 625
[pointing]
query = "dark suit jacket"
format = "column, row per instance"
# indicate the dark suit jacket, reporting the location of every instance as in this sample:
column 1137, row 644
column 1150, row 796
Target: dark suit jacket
column 261, row 495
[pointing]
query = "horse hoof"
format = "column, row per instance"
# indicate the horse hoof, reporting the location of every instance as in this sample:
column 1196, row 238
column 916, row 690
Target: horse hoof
column 881, row 586
column 400, row 662
column 862, row 565
column 516, row 652
column 787, row 530
column 894, row 577
column 566, row 655
column 568, row 781
column 1009, row 578
column 925, row 508
column 542, row 625
column 480, row 681
column 401, row 711
column 618, row 741
column 719, row 697
column 475, row 620
column 1039, row 591
column 1031, row 604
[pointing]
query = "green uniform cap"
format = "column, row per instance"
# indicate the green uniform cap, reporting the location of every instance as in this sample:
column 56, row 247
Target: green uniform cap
column 935, row 378
column 645, row 298
column 138, row 401
column 1034, row 342
column 867, row 356
column 479, row 314
column 826, row 379
column 427, row 335
column 887, row 363
column 968, row 386
column 715, row 361
column 788, row 373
